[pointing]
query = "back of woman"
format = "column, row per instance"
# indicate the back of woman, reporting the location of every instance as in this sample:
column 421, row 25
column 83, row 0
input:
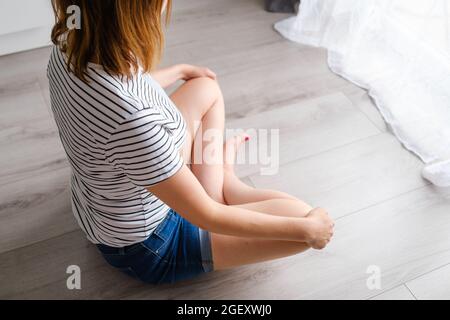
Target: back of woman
column 153, row 184
column 114, row 128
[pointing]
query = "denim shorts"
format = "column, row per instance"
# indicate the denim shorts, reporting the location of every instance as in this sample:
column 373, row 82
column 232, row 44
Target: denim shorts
column 176, row 250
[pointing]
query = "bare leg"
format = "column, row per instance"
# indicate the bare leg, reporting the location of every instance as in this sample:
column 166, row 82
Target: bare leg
column 201, row 104
column 230, row 251
column 200, row 101
column 237, row 192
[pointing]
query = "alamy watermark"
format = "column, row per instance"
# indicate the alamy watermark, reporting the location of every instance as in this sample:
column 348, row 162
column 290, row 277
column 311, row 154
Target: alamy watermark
column 73, row 281
column 262, row 148
column 373, row 282
column 74, row 18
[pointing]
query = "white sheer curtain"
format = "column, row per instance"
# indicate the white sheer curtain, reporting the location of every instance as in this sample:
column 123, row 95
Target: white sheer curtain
column 399, row 50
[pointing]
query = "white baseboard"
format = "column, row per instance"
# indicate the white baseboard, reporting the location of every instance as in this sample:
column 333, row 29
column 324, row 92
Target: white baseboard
column 25, row 40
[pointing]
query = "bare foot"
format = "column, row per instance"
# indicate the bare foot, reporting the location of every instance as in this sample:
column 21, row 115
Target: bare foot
column 230, row 149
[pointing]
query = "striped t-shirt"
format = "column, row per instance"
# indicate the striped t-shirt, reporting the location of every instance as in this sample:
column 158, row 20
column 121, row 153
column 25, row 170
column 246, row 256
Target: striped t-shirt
column 120, row 136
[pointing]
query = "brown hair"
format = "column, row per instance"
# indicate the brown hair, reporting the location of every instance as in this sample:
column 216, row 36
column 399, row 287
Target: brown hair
column 120, row 35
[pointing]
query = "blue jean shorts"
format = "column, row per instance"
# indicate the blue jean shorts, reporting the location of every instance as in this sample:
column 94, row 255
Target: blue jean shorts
column 177, row 250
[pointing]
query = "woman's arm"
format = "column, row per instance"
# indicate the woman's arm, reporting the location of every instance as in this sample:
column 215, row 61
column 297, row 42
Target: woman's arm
column 183, row 193
column 168, row 76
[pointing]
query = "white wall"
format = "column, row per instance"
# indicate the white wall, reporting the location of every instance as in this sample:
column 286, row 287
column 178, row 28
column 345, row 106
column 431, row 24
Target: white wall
column 24, row 24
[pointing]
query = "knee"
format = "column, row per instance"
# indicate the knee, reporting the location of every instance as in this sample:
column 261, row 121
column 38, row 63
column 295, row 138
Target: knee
column 207, row 86
column 292, row 207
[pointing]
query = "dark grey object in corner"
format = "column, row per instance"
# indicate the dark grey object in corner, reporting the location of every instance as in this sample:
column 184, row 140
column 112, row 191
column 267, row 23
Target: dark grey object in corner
column 282, row 5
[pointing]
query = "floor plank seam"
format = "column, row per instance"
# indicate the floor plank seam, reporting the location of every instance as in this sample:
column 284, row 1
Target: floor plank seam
column 383, row 201
column 376, row 125
column 9, row 251
column 324, row 151
column 410, row 291
column 432, row 270
column 384, row 291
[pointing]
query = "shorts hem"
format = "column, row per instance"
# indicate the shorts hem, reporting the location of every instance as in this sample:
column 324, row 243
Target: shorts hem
column 206, row 250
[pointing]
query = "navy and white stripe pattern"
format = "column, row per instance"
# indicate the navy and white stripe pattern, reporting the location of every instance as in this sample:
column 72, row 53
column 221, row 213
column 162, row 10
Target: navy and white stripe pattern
column 120, row 135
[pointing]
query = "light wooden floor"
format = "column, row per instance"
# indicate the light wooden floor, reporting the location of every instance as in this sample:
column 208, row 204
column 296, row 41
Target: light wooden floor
column 335, row 152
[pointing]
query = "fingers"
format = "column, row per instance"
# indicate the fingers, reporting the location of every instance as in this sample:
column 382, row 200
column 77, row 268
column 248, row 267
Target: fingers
column 192, row 72
column 210, row 74
column 205, row 72
column 322, row 243
column 319, row 211
column 320, row 246
column 325, row 228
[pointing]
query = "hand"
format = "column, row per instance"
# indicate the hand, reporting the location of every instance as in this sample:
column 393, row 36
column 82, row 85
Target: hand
column 320, row 228
column 191, row 72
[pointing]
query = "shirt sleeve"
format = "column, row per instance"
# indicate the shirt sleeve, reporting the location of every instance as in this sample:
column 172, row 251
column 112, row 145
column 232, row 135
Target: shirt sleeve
column 144, row 149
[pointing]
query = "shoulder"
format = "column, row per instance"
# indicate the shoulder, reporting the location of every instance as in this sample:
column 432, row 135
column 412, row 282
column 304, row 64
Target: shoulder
column 102, row 91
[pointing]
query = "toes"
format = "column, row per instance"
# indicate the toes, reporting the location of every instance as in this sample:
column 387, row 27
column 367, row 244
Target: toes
column 241, row 139
column 231, row 147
